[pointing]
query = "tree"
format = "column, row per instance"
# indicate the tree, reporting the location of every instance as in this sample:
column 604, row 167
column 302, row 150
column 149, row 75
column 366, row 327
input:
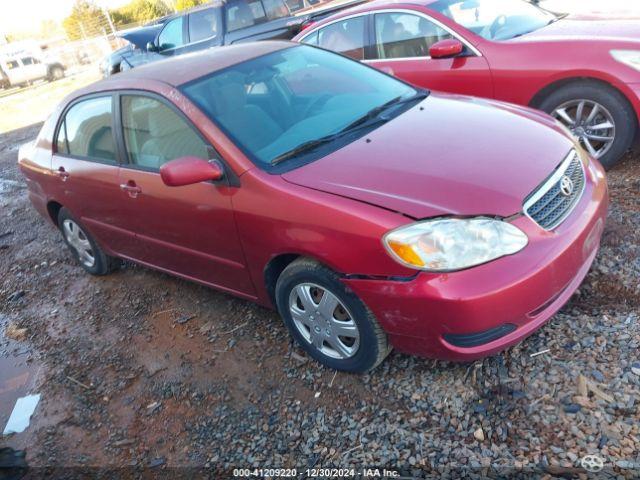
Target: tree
column 186, row 4
column 86, row 20
column 139, row 11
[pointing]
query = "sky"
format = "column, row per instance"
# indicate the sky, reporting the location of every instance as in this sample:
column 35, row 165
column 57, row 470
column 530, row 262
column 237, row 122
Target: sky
column 28, row 15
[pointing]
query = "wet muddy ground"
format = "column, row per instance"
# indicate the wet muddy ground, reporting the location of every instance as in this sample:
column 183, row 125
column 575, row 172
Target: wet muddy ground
column 142, row 369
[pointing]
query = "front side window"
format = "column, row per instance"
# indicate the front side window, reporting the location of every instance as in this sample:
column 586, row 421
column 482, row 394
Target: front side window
column 203, row 24
column 155, row 134
column 243, row 14
column 11, row 64
column 495, row 19
column 404, row 35
column 88, row 128
column 274, row 104
column 171, row 36
column 345, row 37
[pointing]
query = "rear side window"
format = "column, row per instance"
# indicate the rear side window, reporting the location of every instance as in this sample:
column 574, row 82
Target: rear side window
column 61, row 142
column 243, row 14
column 155, row 134
column 345, row 37
column 203, row 24
column 171, row 35
column 404, row 35
column 27, row 61
column 275, row 9
column 87, row 131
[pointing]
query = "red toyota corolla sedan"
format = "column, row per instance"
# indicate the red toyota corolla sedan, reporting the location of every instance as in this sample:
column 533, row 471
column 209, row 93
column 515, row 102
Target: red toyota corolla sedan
column 370, row 213
column 586, row 73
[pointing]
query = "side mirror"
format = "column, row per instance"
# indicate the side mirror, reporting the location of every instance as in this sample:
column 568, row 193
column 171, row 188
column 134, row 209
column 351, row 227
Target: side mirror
column 189, row 171
column 151, row 47
column 446, row 48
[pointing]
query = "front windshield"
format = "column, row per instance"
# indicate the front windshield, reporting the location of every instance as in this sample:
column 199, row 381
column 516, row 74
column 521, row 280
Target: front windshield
column 495, row 19
column 297, row 104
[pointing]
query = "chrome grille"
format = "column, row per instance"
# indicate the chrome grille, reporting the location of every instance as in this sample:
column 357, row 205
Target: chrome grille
column 549, row 205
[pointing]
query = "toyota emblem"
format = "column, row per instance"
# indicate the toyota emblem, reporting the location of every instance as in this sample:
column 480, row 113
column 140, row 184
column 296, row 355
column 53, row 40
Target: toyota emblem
column 566, row 186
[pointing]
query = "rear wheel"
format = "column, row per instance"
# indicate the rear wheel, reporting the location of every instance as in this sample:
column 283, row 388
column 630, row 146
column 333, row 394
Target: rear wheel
column 599, row 116
column 327, row 320
column 56, row 73
column 83, row 246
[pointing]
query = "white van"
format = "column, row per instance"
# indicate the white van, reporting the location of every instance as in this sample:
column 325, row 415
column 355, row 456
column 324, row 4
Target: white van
column 26, row 68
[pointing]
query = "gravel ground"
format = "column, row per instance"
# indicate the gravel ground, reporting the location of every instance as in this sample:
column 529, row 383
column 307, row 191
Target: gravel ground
column 139, row 369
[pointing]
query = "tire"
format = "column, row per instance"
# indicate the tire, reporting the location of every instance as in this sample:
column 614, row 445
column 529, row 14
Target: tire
column 56, row 74
column 359, row 354
column 81, row 243
column 615, row 106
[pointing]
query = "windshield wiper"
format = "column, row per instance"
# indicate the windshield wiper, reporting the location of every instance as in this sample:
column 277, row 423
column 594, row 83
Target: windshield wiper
column 370, row 115
column 375, row 112
column 304, row 147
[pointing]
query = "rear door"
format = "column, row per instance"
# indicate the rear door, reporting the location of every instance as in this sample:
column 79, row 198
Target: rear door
column 85, row 162
column 347, row 36
column 33, row 69
column 249, row 20
column 188, row 230
column 401, row 40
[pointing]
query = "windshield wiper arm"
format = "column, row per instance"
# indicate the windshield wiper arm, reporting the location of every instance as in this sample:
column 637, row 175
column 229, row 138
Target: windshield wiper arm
column 371, row 114
column 374, row 112
column 304, row 147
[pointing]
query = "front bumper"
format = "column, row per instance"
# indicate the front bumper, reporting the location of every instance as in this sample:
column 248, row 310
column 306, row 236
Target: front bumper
column 522, row 291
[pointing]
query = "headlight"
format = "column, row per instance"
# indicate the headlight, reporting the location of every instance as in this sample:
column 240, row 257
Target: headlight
column 631, row 58
column 448, row 244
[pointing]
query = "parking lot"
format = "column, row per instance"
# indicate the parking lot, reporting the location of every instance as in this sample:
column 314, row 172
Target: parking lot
column 142, row 369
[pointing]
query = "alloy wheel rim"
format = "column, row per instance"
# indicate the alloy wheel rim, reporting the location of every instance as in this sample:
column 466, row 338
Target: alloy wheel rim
column 324, row 321
column 76, row 237
column 590, row 122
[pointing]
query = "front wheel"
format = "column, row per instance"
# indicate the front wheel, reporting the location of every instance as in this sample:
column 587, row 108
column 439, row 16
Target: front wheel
column 328, row 320
column 83, row 246
column 598, row 116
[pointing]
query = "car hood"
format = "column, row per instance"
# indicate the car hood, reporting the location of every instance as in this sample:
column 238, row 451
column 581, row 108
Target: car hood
column 587, row 27
column 448, row 155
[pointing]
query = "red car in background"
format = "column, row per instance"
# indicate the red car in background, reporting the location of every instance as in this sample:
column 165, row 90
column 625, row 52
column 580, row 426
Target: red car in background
column 293, row 177
column 586, row 73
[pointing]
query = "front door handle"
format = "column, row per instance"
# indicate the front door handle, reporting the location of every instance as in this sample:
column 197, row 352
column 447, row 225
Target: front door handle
column 62, row 173
column 131, row 188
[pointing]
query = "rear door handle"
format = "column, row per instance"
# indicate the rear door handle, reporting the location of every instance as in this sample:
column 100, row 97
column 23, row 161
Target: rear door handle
column 62, row 173
column 131, row 188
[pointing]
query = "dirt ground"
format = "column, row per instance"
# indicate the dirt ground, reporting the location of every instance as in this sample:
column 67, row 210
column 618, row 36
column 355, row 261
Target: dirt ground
column 140, row 369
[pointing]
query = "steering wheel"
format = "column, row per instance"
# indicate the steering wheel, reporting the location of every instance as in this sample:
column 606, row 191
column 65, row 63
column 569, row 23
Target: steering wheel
column 498, row 24
column 318, row 102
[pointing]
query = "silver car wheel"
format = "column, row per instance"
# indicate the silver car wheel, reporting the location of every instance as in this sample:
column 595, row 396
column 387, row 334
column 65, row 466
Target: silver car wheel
column 79, row 241
column 324, row 321
column 590, row 122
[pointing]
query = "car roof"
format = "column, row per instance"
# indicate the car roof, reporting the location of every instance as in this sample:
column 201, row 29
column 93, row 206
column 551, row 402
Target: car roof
column 175, row 71
column 376, row 4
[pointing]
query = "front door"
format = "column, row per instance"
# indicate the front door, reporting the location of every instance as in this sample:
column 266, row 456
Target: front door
column 401, row 42
column 188, row 230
